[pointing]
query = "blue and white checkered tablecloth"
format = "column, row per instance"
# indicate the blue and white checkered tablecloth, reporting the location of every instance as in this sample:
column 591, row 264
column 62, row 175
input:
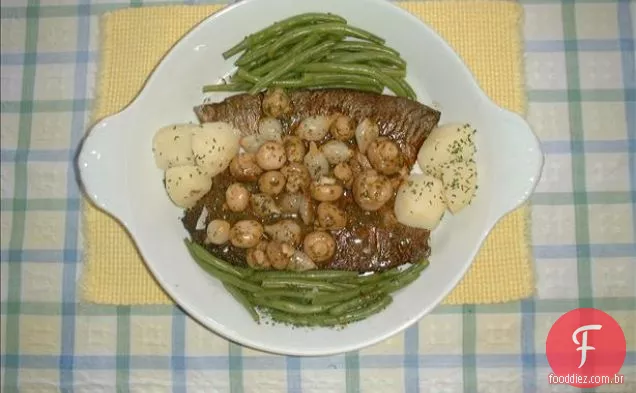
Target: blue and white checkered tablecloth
column 581, row 85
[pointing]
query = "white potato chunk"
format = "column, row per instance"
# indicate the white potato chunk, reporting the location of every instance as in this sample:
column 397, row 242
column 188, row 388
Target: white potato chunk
column 187, row 184
column 214, row 145
column 419, row 202
column 447, row 143
column 172, row 145
column 460, row 184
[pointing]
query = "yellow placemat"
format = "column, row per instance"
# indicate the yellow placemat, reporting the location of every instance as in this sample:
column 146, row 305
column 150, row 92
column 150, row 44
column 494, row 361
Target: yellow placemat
column 487, row 36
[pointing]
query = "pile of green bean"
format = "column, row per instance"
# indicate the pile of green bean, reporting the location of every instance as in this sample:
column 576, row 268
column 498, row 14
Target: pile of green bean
column 311, row 298
column 314, row 50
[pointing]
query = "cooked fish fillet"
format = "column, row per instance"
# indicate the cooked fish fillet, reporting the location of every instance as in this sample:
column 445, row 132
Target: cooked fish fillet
column 371, row 241
column 405, row 121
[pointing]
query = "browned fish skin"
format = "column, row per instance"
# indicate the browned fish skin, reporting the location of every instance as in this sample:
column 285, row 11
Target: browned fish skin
column 372, row 241
column 406, row 122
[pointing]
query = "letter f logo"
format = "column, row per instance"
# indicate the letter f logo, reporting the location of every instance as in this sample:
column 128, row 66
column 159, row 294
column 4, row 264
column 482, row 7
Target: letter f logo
column 584, row 347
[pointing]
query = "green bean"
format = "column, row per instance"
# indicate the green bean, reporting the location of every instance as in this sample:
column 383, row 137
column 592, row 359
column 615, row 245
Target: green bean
column 410, row 93
column 356, row 315
column 377, row 276
column 339, row 78
column 298, row 48
column 234, row 78
column 243, row 300
column 227, row 87
column 336, row 297
column 286, row 293
column 345, row 285
column 338, row 29
column 369, row 278
column 362, row 57
column 255, row 64
column 356, row 303
column 290, row 307
column 351, row 86
column 404, row 278
column 276, row 283
column 290, row 76
column 244, row 44
column 392, row 279
column 252, row 55
column 414, row 268
column 297, row 84
column 355, row 46
column 198, row 251
column 392, row 72
column 280, row 27
column 337, row 37
column 226, row 278
column 323, row 319
column 366, row 285
column 376, row 64
column 417, row 267
column 253, row 52
column 295, row 37
column 393, row 286
column 306, row 275
column 290, row 83
column 306, row 320
column 329, row 320
column 247, row 76
column 354, row 86
column 248, row 52
column 293, row 319
column 290, row 65
column 355, row 69
column 388, row 70
column 355, row 32
column 260, row 57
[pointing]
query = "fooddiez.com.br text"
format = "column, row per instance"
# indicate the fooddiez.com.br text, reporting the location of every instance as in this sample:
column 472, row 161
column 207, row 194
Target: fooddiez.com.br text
column 573, row 378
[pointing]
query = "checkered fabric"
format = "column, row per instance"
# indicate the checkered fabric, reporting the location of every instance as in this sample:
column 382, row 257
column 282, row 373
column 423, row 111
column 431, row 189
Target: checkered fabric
column 580, row 75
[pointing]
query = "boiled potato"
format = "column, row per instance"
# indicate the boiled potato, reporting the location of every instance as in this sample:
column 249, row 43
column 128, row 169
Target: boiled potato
column 419, row 202
column 460, row 184
column 172, row 145
column 187, row 184
column 447, row 143
column 214, row 145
